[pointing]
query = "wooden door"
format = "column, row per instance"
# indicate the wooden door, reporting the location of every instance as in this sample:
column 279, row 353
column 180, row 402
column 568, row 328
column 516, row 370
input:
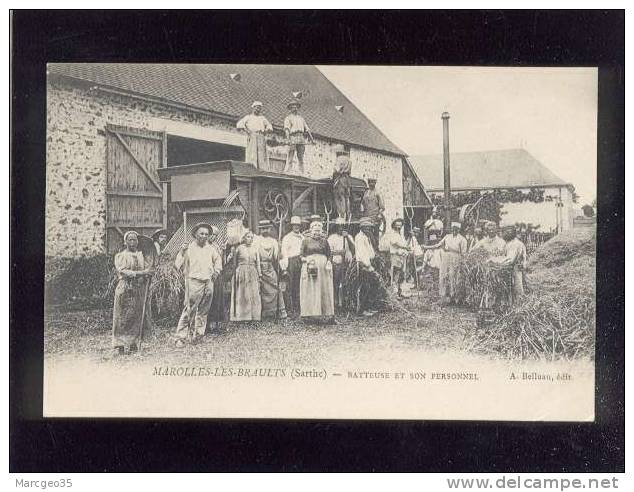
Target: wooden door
column 134, row 196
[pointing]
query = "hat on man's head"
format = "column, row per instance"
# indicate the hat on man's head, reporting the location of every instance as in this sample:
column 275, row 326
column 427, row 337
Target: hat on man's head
column 295, row 220
column 398, row 219
column 314, row 218
column 257, row 103
column 339, row 221
column 456, row 224
column 366, row 222
column 294, row 103
column 157, row 233
column 371, row 180
column 206, row 225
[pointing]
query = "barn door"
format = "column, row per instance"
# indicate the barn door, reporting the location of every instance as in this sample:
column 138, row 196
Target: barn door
column 134, row 196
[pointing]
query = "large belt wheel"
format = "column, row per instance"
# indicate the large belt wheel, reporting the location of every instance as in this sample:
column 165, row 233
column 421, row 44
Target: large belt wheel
column 275, row 205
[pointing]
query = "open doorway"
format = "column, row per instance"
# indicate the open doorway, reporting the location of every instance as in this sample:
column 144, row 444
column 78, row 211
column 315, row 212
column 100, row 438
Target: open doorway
column 182, row 150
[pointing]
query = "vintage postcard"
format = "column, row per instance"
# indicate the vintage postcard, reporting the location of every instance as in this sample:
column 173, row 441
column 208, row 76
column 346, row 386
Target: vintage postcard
column 325, row 242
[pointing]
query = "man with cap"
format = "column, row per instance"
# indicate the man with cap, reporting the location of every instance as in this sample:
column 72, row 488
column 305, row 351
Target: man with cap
column 371, row 289
column 256, row 126
column 342, row 251
column 515, row 257
column 296, row 131
column 160, row 240
column 341, row 182
column 201, row 264
column 269, row 250
column 399, row 250
column 372, row 206
column 291, row 263
column 454, row 247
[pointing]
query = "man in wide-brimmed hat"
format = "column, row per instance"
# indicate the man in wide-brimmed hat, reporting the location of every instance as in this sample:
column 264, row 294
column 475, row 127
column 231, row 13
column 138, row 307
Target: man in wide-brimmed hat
column 201, row 264
column 291, row 262
column 160, row 240
column 297, row 134
column 256, row 126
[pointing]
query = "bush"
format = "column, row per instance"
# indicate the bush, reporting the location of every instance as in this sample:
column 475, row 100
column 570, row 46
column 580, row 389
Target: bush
column 84, row 280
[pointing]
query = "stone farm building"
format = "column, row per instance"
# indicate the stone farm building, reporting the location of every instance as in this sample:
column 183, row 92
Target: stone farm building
column 528, row 191
column 146, row 145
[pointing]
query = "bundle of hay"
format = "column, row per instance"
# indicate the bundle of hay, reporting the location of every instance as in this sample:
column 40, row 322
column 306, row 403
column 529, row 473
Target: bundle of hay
column 479, row 285
column 556, row 319
column 376, row 292
column 166, row 289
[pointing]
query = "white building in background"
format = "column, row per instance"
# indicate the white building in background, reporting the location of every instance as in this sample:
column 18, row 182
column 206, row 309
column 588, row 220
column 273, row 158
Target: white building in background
column 518, row 176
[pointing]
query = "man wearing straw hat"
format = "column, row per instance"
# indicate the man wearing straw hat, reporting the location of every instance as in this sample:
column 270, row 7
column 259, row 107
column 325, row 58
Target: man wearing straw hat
column 291, row 262
column 160, row 240
column 297, row 132
column 256, row 126
column 202, row 264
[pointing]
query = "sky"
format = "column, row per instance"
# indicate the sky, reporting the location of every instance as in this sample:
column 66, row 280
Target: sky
column 550, row 112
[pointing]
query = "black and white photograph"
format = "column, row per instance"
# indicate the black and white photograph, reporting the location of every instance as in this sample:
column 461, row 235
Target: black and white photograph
column 320, row 241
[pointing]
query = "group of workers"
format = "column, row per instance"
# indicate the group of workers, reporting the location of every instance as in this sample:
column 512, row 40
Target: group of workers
column 303, row 276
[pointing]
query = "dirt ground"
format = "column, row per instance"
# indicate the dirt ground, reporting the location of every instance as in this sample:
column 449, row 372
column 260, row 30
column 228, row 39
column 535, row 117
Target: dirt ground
column 417, row 324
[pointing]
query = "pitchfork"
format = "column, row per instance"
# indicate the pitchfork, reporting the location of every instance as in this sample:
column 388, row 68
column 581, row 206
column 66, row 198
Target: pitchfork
column 328, row 212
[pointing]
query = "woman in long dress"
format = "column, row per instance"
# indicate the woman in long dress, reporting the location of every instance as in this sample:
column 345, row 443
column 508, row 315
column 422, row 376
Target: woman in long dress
column 316, row 295
column 453, row 247
column 127, row 313
column 245, row 289
column 269, row 252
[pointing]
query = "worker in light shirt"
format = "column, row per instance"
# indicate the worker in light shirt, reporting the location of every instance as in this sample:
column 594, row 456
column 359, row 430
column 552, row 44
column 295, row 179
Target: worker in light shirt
column 291, row 264
column 201, row 264
column 297, row 134
column 256, row 126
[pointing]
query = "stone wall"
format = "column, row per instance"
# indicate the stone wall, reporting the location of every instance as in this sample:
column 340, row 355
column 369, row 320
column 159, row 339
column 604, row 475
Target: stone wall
column 76, row 162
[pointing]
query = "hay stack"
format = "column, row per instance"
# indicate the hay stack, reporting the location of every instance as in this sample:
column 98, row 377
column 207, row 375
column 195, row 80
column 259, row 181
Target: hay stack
column 481, row 286
column 556, row 319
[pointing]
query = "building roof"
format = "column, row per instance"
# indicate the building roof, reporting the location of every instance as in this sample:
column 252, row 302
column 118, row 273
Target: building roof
column 212, row 88
column 514, row 168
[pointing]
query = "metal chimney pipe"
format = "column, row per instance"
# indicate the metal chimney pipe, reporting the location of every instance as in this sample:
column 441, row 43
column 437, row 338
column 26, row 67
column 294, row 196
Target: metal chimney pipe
column 445, row 158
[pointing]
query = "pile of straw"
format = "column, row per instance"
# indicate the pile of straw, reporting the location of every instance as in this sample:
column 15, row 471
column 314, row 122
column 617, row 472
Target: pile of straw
column 166, row 289
column 479, row 285
column 556, row 319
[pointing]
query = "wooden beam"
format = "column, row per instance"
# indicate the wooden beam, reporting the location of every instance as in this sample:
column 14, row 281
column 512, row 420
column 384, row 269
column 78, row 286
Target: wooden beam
column 145, row 194
column 302, row 196
column 118, row 225
column 136, row 160
column 164, row 184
